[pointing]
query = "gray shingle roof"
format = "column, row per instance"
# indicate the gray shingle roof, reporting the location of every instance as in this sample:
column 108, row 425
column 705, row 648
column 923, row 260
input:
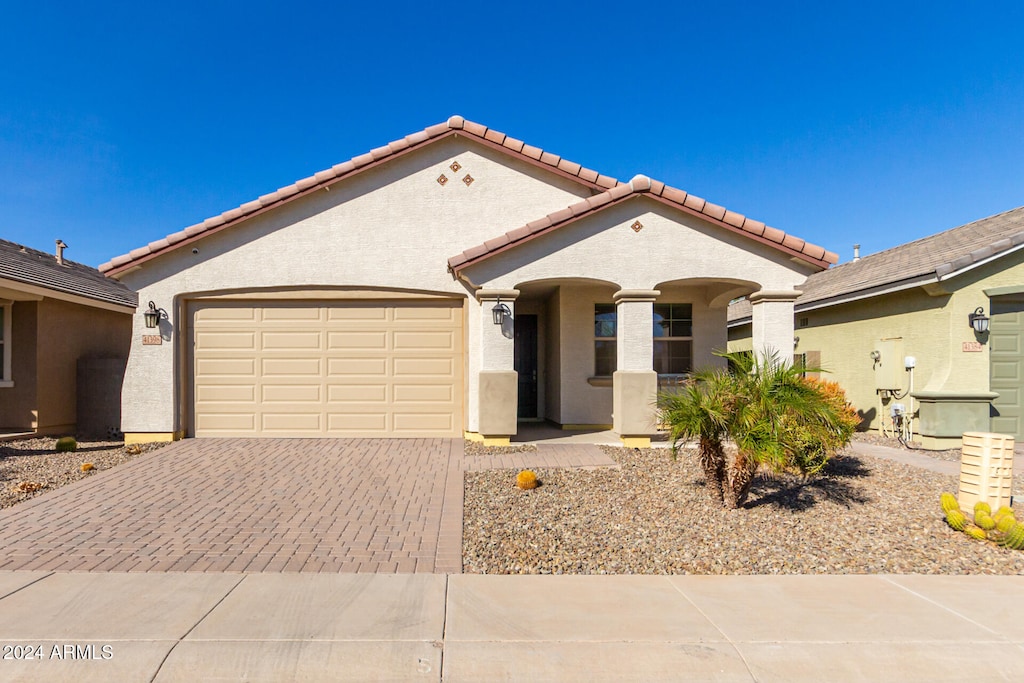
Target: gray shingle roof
column 925, row 260
column 38, row 268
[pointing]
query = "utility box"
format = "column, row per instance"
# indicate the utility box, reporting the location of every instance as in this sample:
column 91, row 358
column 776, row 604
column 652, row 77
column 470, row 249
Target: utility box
column 890, row 370
column 986, row 469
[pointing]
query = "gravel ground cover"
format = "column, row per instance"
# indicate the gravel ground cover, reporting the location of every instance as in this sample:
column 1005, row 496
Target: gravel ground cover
column 952, row 455
column 477, row 448
column 29, row 467
column 653, row 516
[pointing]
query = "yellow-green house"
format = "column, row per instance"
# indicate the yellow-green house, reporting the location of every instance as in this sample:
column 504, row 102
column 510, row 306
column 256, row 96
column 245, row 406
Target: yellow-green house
column 927, row 336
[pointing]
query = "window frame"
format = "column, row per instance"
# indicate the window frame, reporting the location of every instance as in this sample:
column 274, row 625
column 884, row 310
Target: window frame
column 669, row 337
column 611, row 340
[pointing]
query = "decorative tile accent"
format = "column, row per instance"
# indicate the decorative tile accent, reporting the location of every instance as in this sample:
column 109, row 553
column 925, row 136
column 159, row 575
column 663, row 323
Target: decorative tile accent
column 455, row 166
column 442, row 179
column 468, row 180
column 637, row 226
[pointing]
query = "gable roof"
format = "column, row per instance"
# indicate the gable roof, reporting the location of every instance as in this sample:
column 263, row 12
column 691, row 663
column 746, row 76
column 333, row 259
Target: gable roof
column 642, row 185
column 31, row 267
column 927, row 260
column 455, row 125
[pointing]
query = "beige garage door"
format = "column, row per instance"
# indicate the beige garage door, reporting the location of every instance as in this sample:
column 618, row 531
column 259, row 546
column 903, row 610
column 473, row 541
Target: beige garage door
column 372, row 369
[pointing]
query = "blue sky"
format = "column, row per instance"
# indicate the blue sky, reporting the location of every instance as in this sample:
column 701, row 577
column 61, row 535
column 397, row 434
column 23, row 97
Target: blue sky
column 865, row 122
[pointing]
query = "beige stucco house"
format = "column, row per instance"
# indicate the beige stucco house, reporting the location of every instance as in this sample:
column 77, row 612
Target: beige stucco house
column 862, row 320
column 363, row 300
column 60, row 321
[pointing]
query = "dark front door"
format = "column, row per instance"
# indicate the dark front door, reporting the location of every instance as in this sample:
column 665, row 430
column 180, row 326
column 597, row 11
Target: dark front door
column 526, row 364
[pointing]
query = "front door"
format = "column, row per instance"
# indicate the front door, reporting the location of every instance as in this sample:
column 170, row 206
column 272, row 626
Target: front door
column 1006, row 335
column 526, row 364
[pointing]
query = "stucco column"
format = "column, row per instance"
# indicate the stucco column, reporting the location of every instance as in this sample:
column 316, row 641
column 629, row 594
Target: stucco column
column 497, row 392
column 634, row 383
column 772, row 322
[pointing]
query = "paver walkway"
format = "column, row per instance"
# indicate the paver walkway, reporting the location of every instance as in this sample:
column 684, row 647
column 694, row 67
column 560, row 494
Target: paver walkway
column 265, row 505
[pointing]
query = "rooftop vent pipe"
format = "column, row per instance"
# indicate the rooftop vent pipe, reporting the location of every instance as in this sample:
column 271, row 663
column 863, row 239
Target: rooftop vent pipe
column 856, row 252
column 60, row 252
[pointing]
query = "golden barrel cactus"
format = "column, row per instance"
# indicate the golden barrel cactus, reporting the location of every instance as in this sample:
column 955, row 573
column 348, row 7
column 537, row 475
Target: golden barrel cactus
column 526, row 480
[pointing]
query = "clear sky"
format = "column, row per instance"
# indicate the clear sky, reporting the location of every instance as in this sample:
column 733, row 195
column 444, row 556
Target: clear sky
column 865, row 122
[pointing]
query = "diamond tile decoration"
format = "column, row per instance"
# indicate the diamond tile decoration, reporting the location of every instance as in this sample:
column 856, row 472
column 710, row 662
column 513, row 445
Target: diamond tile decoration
column 468, row 180
column 455, row 166
column 637, row 226
column 442, row 179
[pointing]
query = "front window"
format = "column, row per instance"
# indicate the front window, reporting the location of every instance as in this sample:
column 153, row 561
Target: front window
column 673, row 339
column 604, row 340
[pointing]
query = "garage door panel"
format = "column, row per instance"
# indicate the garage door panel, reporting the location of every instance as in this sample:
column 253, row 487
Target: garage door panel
column 226, row 422
column 359, row 368
column 357, row 393
column 291, row 422
column 290, row 314
column 422, row 422
column 345, row 423
column 357, row 312
column 239, row 393
column 291, row 341
column 224, row 367
column 242, row 341
column 369, row 341
column 291, row 393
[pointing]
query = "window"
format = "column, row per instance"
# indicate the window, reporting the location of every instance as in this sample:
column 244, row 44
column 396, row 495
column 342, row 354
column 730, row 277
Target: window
column 604, row 340
column 673, row 339
column 5, row 344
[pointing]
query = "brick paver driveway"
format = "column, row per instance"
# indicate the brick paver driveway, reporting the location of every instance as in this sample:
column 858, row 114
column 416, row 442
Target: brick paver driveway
column 272, row 505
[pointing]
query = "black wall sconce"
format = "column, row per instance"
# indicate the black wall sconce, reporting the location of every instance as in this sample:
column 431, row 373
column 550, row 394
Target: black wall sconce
column 499, row 312
column 152, row 316
column 978, row 320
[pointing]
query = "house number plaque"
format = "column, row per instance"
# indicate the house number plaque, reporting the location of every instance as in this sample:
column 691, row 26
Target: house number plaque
column 972, row 347
column 151, row 339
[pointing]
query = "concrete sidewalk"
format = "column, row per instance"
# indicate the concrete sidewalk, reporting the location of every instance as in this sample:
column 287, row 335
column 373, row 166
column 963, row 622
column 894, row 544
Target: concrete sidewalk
column 416, row 627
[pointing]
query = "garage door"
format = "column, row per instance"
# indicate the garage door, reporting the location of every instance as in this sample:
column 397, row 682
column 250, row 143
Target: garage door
column 1006, row 332
column 369, row 369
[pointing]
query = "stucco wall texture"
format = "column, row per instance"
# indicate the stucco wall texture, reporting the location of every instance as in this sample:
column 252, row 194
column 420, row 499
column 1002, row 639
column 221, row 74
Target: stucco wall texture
column 49, row 336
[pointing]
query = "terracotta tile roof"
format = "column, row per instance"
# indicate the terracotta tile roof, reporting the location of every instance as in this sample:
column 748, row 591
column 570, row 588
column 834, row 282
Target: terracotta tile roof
column 929, row 259
column 32, row 267
column 453, row 126
column 642, row 185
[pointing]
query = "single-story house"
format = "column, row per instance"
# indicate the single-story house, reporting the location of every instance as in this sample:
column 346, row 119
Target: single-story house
column 447, row 284
column 897, row 329
column 59, row 318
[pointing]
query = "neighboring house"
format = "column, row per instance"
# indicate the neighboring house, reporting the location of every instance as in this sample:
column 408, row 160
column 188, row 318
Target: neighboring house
column 362, row 301
column 916, row 300
column 57, row 319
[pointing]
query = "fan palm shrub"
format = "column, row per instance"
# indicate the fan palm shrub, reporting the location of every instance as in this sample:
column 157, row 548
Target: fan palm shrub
column 778, row 420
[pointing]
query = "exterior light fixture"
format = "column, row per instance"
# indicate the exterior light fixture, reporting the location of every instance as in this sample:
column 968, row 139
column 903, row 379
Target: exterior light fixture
column 152, row 316
column 978, row 320
column 499, row 312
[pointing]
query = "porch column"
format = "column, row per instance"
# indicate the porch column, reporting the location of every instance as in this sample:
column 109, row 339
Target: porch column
column 634, row 382
column 498, row 382
column 773, row 322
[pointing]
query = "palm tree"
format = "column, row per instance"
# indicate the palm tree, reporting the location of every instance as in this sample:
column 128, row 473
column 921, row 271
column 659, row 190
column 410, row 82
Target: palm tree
column 700, row 409
column 777, row 419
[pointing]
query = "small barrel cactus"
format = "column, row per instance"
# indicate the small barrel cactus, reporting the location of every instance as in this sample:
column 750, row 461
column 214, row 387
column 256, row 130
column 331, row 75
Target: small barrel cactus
column 1003, row 511
column 975, row 532
column 982, row 508
column 86, row 466
column 1005, row 523
column 956, row 520
column 66, row 444
column 526, row 480
column 1014, row 538
column 949, row 502
column 984, row 521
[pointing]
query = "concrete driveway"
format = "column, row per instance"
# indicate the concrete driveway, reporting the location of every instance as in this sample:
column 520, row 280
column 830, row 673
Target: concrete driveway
column 253, row 505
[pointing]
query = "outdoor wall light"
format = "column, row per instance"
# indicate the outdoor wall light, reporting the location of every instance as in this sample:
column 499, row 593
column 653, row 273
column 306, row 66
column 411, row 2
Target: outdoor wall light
column 499, row 312
column 152, row 316
column 978, row 320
